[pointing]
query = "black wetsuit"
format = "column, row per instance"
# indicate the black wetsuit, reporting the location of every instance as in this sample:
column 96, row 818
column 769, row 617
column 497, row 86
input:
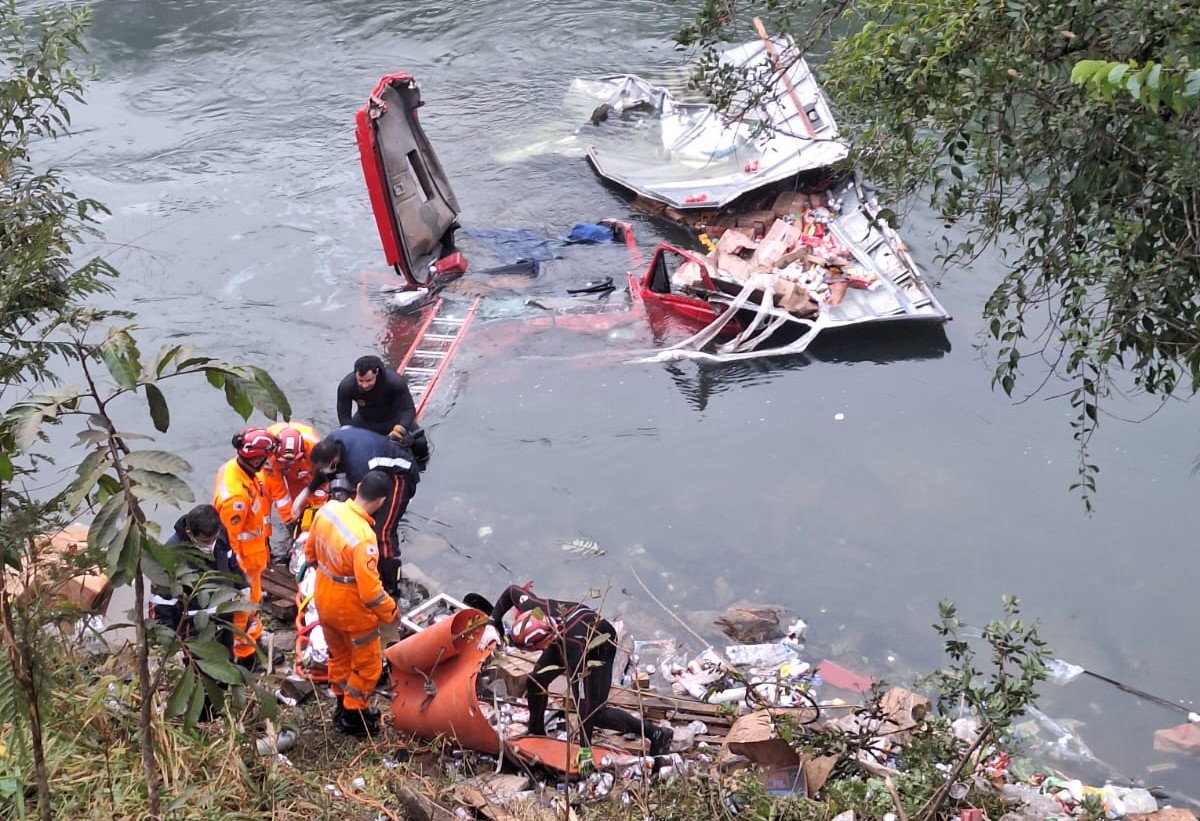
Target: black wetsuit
column 387, row 404
column 576, row 644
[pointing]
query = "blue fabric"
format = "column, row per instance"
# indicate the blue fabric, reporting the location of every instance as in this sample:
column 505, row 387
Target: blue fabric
column 361, row 447
column 590, row 233
column 514, row 245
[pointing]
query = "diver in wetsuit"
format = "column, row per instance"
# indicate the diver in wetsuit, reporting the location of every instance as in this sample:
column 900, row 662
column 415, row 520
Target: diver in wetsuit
column 569, row 634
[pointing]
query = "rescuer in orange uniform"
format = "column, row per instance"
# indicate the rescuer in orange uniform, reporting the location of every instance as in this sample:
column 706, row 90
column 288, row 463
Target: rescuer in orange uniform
column 244, row 509
column 351, row 600
column 289, row 470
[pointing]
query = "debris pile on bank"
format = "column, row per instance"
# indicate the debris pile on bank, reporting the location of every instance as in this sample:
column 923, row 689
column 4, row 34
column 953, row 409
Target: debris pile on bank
column 757, row 710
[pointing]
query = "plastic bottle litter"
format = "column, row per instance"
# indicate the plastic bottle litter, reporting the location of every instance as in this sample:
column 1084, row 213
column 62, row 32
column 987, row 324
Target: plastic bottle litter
column 1120, row 801
column 727, row 696
column 759, row 655
column 597, row 785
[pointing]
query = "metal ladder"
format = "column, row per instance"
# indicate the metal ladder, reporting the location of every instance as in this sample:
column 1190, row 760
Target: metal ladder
column 439, row 336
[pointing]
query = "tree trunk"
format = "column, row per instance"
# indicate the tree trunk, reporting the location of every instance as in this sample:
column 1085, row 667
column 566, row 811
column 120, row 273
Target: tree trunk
column 20, row 659
column 149, row 760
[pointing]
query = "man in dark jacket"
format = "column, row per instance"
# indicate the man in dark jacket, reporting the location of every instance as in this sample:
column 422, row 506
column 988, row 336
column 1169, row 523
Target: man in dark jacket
column 354, row 452
column 200, row 540
column 383, row 400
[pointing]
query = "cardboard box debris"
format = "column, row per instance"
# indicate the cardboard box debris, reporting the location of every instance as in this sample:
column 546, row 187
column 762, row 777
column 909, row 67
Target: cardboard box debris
column 513, row 667
column 489, row 793
column 753, row 736
column 755, row 223
column 58, row 555
column 735, row 242
column 1183, row 739
column 778, row 241
column 904, row 708
column 794, row 298
column 790, row 202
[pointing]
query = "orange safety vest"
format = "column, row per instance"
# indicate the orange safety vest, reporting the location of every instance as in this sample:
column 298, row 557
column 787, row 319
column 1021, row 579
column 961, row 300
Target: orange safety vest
column 349, row 594
column 283, row 480
column 243, row 507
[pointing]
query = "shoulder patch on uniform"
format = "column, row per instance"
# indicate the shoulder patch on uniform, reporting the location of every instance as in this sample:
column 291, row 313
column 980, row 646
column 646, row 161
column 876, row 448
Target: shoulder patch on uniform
column 372, row 550
column 239, row 505
column 235, row 520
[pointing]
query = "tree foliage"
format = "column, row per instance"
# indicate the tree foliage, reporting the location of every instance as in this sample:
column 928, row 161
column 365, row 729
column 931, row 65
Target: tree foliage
column 46, row 325
column 1154, row 84
column 1090, row 198
column 40, row 219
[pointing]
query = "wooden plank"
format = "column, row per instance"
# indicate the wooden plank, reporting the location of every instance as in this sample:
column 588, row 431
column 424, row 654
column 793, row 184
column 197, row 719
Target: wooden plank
column 279, row 588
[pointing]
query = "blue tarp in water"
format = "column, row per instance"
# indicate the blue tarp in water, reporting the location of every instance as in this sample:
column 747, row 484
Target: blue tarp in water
column 590, row 233
column 516, row 245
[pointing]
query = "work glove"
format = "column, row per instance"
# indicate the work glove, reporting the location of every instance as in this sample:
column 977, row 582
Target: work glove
column 389, row 575
column 490, row 636
column 398, row 434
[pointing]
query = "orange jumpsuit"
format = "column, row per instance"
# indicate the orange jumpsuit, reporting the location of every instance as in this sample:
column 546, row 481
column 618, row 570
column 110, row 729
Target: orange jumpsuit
column 243, row 508
column 283, row 480
column 350, row 598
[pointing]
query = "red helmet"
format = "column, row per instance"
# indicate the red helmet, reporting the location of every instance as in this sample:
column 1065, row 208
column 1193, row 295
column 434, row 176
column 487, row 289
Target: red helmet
column 254, row 443
column 533, row 630
column 291, row 445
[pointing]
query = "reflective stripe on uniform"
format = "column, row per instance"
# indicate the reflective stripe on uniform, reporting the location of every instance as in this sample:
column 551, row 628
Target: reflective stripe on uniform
column 161, row 602
column 335, row 578
column 347, row 532
column 389, row 462
column 361, row 640
column 378, row 600
column 245, row 537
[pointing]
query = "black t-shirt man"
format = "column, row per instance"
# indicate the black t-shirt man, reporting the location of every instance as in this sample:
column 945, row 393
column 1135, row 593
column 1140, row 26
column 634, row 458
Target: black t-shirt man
column 381, row 396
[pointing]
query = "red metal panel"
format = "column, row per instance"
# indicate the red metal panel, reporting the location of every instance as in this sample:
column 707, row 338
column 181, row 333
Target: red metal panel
column 376, row 180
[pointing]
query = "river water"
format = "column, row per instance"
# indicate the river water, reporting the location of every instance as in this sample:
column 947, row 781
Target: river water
column 856, row 486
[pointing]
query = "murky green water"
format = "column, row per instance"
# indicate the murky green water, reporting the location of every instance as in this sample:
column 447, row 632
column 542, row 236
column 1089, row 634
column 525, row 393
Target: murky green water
column 221, row 134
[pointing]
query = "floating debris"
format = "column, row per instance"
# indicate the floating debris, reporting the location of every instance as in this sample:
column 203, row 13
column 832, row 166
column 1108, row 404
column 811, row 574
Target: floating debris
column 584, row 547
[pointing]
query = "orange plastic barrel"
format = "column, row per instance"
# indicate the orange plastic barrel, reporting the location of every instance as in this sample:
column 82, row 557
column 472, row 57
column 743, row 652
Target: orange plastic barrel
column 433, row 683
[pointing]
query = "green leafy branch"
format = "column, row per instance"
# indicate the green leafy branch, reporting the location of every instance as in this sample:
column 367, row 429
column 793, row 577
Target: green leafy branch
column 1154, row 84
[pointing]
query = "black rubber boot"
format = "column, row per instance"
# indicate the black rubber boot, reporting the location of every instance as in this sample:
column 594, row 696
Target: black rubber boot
column 358, row 723
column 660, row 740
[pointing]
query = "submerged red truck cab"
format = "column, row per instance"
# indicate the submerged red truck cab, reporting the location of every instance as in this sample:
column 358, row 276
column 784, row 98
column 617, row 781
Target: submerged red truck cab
column 416, row 211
